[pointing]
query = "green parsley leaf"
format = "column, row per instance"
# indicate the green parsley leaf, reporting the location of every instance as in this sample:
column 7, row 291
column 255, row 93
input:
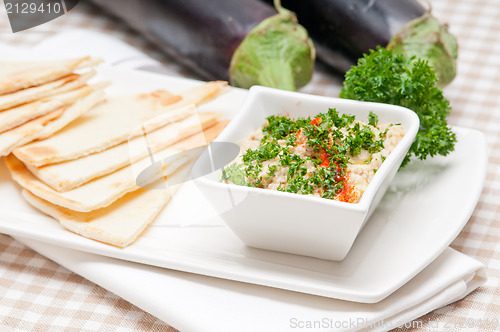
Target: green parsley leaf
column 233, row 173
column 372, row 119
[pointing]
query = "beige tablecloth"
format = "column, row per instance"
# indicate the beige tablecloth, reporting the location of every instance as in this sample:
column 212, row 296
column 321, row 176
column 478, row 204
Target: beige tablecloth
column 36, row 293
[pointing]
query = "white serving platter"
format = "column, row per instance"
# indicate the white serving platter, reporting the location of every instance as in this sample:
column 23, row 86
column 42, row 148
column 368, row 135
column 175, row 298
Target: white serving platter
column 425, row 208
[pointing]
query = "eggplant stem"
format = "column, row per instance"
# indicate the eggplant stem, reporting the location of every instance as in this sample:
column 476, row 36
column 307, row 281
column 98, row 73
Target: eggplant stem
column 426, row 3
column 279, row 8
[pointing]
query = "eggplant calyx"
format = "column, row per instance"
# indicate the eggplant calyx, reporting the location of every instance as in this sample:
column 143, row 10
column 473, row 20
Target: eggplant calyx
column 277, row 74
column 277, row 53
column 427, row 39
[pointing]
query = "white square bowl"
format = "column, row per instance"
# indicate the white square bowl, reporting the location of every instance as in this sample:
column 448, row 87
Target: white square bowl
column 289, row 222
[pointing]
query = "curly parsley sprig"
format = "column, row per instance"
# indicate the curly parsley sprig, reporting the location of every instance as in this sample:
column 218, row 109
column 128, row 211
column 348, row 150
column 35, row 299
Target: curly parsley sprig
column 384, row 77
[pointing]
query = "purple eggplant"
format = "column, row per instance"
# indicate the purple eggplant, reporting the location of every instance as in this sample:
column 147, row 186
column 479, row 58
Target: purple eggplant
column 210, row 36
column 343, row 30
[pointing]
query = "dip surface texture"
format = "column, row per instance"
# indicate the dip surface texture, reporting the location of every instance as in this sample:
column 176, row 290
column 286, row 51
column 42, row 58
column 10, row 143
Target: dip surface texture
column 333, row 155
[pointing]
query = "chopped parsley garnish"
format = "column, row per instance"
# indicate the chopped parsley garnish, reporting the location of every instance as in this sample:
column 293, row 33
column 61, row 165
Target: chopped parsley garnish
column 372, row 119
column 329, row 139
column 234, row 174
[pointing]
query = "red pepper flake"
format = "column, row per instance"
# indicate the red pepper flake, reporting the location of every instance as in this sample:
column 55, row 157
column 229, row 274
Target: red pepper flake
column 325, row 163
column 324, row 157
column 348, row 193
column 300, row 138
column 316, row 121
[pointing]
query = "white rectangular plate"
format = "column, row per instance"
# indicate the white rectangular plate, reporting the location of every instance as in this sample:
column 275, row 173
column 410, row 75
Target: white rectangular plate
column 423, row 211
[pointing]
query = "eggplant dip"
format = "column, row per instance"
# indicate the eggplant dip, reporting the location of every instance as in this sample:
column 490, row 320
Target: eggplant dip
column 333, row 155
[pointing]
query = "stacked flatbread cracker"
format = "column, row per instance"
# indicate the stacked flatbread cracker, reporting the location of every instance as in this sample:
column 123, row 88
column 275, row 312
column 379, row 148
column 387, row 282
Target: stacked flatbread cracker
column 38, row 99
column 85, row 174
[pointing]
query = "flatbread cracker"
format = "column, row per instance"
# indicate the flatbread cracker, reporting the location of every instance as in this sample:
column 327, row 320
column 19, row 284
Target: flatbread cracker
column 23, row 134
column 72, row 113
column 16, row 116
column 119, row 224
column 68, row 175
column 46, row 125
column 61, row 85
column 109, row 124
column 21, row 75
column 104, row 126
column 92, row 196
column 102, row 191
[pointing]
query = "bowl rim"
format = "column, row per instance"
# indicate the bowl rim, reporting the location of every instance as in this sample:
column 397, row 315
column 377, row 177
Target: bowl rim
column 367, row 198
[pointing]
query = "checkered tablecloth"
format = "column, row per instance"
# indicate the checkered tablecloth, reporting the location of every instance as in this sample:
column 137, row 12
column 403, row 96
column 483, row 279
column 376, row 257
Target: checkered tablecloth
column 38, row 294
